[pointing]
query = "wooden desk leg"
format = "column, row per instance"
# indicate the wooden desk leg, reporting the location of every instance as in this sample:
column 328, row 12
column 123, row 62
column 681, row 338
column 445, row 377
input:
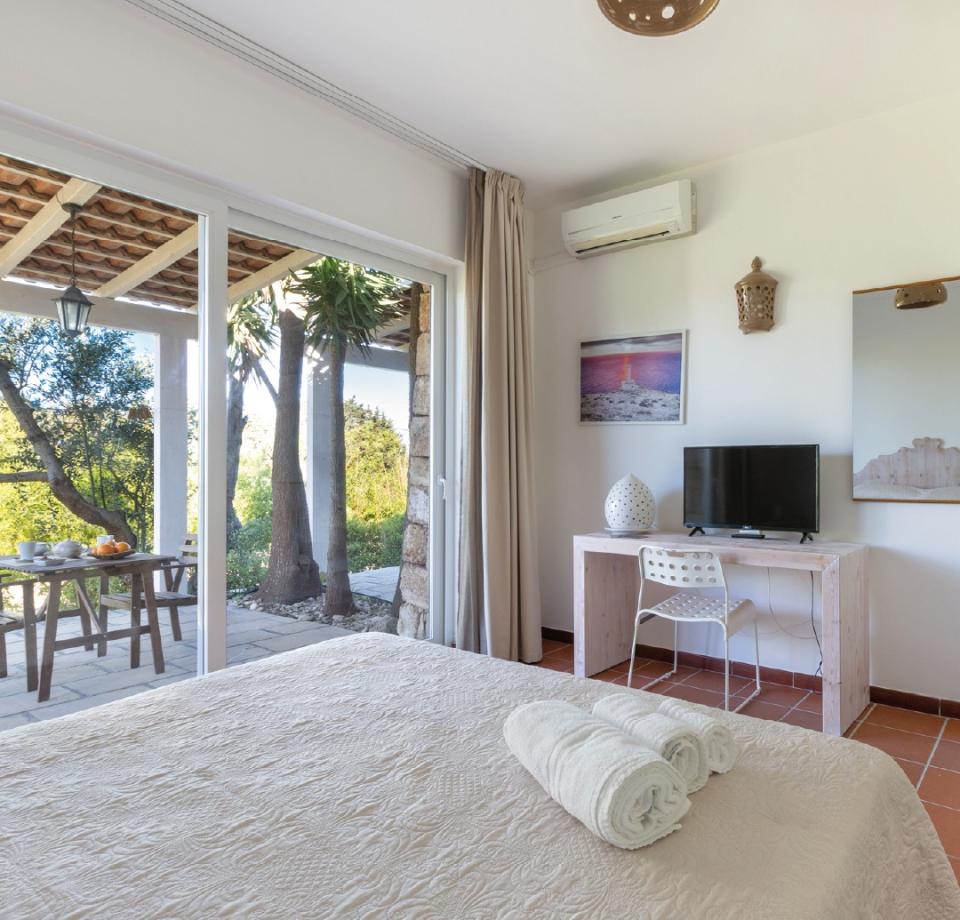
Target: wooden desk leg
column 30, row 637
column 135, row 599
column 846, row 642
column 90, row 615
column 153, row 618
column 49, row 641
column 605, row 590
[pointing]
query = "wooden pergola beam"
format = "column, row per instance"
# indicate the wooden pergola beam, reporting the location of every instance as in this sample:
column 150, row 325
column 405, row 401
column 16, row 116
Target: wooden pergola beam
column 162, row 257
column 270, row 273
column 47, row 221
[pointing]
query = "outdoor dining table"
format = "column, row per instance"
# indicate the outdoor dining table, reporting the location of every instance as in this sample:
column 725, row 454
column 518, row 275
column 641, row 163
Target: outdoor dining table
column 139, row 567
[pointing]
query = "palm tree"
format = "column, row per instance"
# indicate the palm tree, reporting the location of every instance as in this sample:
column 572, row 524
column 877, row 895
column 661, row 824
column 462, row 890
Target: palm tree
column 345, row 304
column 251, row 333
column 292, row 572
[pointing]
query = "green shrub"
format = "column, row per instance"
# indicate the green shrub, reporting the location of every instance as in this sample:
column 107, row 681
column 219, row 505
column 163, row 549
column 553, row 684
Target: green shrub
column 374, row 544
column 248, row 556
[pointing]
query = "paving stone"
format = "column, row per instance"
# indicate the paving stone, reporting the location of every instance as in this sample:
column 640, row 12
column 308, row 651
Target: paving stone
column 79, row 705
column 19, row 718
column 301, row 639
column 27, row 701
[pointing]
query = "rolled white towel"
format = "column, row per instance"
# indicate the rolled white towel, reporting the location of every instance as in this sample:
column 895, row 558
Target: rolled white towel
column 721, row 747
column 678, row 743
column 623, row 792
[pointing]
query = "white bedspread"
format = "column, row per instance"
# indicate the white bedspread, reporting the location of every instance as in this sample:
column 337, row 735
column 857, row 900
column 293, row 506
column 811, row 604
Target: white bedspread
column 367, row 777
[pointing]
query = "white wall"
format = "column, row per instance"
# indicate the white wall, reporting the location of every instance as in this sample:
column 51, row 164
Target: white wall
column 861, row 205
column 124, row 77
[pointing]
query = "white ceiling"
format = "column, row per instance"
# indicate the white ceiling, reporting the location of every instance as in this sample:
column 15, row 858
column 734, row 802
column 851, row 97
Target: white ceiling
column 551, row 91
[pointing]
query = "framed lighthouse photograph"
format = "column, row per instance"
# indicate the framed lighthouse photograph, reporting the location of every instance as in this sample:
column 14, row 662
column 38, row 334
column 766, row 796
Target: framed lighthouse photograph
column 637, row 379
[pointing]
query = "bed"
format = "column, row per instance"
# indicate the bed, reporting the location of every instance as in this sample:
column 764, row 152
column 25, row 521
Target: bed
column 367, row 777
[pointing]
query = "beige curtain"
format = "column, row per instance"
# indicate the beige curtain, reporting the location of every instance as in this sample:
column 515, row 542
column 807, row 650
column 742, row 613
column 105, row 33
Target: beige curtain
column 499, row 592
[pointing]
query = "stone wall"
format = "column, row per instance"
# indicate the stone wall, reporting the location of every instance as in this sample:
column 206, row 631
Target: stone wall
column 414, row 591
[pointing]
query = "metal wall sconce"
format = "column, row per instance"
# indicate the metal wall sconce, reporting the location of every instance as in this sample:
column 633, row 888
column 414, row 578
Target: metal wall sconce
column 756, row 292
column 918, row 296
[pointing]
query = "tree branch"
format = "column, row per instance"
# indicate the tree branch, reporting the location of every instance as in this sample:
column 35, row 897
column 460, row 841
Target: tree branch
column 60, row 483
column 38, row 476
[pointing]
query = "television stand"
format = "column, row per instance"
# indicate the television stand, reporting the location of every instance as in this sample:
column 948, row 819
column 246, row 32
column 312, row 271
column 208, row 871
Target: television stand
column 748, row 534
column 806, row 537
column 695, row 531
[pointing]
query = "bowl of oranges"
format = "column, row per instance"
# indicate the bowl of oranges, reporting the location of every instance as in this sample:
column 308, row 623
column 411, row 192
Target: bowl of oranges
column 109, row 548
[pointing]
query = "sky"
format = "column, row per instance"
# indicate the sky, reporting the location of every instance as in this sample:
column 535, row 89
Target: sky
column 385, row 390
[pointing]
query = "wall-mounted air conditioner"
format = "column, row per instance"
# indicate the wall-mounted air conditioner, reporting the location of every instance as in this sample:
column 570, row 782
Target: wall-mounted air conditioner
column 661, row 213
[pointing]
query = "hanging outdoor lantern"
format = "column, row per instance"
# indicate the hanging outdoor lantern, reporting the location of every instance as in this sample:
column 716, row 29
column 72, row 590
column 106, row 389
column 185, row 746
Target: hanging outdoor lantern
column 755, row 297
column 73, row 306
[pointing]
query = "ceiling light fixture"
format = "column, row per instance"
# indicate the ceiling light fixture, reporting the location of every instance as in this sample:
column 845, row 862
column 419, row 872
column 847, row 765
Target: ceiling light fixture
column 73, row 306
column 657, row 17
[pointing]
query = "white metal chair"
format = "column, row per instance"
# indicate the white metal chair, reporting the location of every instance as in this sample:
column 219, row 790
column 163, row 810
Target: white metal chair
column 689, row 570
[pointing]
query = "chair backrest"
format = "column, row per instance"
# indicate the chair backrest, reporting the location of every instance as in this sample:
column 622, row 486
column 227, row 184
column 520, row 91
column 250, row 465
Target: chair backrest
column 681, row 568
column 190, row 551
column 189, row 558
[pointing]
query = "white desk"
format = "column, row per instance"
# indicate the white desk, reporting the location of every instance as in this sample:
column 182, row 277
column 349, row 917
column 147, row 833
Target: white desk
column 607, row 579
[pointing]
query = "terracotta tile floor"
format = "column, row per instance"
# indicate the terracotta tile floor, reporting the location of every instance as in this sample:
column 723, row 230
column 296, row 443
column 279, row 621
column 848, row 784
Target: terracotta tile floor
column 926, row 747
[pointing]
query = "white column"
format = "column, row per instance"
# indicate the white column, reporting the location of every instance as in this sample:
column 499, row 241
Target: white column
column 212, row 618
column 170, row 443
column 318, row 459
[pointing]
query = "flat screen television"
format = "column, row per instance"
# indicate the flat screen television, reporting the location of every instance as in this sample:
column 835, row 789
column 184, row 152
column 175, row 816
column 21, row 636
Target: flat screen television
column 756, row 488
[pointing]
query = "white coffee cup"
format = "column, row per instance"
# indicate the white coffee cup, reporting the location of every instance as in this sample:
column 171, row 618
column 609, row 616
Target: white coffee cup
column 104, row 538
column 27, row 550
column 41, row 549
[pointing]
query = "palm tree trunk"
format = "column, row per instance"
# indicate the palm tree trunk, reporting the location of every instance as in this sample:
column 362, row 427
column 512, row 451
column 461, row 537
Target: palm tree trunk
column 339, row 599
column 292, row 573
column 236, row 422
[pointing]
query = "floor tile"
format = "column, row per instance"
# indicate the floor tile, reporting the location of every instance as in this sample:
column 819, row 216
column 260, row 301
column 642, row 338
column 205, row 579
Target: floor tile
column 554, row 665
column 813, row 702
column 906, row 720
column 763, row 710
column 804, row 719
column 942, row 787
column 947, row 823
column 690, row 694
column 552, row 645
column 947, row 756
column 657, row 668
column 713, row 680
column 906, row 745
column 562, row 654
column 952, row 731
column 610, row 675
column 776, row 694
column 913, row 770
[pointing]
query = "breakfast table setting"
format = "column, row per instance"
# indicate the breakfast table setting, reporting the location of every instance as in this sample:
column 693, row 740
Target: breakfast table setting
column 70, row 562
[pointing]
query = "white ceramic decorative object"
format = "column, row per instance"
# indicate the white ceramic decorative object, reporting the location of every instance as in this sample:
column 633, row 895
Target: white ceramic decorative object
column 630, row 507
column 69, row 549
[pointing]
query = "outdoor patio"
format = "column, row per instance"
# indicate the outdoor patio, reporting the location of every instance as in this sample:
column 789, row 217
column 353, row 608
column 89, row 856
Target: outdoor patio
column 82, row 680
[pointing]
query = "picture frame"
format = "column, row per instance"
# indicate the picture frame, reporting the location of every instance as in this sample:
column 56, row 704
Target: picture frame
column 633, row 379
